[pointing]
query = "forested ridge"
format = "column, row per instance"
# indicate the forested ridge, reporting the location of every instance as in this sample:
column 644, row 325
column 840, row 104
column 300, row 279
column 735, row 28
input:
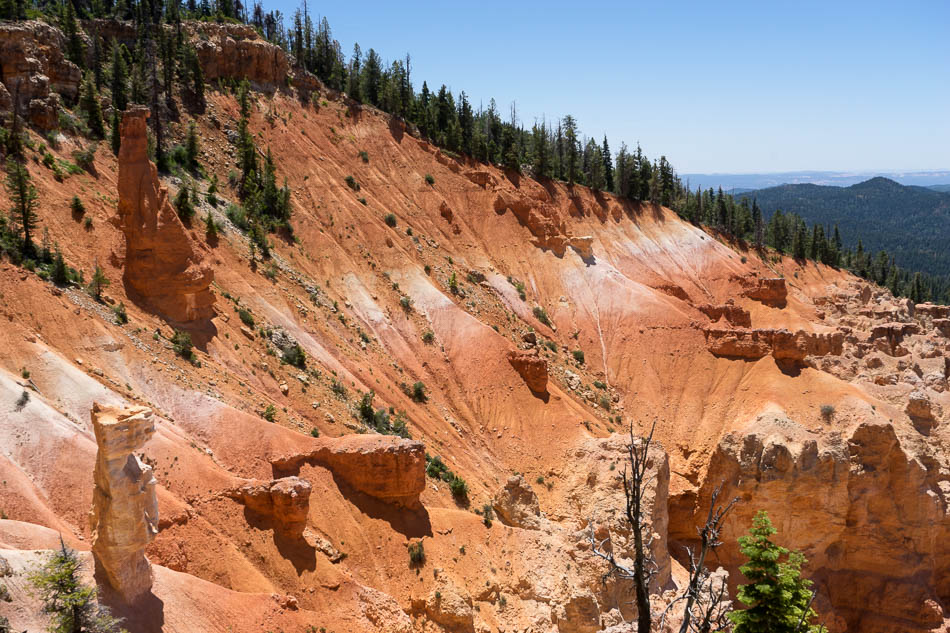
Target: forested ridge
column 163, row 64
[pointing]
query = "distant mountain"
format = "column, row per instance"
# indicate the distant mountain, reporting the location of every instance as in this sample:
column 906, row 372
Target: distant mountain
column 745, row 182
column 909, row 222
column 944, row 188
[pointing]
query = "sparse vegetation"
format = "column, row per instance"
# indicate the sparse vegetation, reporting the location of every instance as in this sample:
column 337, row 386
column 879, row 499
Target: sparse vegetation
column 437, row 469
column 541, row 315
column 417, row 554
column 364, row 156
column 352, row 184
column 294, row 355
column 427, row 337
column 246, row 317
column 121, row 316
column 269, row 413
column 390, row 220
column 827, row 411
column 181, row 343
column 578, row 356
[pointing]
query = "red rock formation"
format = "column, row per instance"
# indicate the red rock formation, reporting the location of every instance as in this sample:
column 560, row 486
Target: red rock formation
column 124, row 516
column 531, row 367
column 382, row 466
column 162, row 265
column 769, row 291
column 782, row 344
column 733, row 314
column 34, row 70
column 286, row 501
column 236, row 51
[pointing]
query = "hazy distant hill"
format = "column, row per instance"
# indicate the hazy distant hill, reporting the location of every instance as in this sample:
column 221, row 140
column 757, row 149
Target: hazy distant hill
column 737, row 183
column 944, row 188
column 911, row 223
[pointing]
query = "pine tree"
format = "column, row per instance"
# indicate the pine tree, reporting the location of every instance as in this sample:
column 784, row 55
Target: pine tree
column 25, row 201
column 193, row 65
column 74, row 47
column 115, row 136
column 570, row 140
column 91, row 108
column 777, row 597
column 98, row 283
column 60, row 273
column 192, row 146
column 97, row 60
column 120, row 72
column 608, row 165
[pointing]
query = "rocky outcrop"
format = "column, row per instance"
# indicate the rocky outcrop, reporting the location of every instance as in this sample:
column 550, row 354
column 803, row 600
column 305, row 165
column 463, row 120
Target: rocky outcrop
column 450, row 606
column 385, row 467
column 584, row 245
column 124, row 516
column 162, row 266
column 770, row 291
column 236, row 51
column 517, row 505
column 34, row 71
column 869, row 510
column 531, row 367
column 285, row 502
column 543, row 221
column 780, row 343
column 733, row 314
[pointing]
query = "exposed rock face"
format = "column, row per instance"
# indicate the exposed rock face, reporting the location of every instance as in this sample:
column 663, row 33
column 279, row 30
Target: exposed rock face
column 33, row 70
column 517, row 505
column 532, row 368
column 236, row 51
column 781, row 344
column 162, row 265
column 544, row 222
column 769, row 291
column 285, row 501
column 382, row 466
column 124, row 516
column 732, row 313
column 450, row 606
column 584, row 245
column 869, row 511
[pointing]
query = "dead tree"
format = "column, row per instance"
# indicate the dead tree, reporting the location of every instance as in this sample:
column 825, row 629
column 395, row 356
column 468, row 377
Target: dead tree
column 635, row 482
column 706, row 603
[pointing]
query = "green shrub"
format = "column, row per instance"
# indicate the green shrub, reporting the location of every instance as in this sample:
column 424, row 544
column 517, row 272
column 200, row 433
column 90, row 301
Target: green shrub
column 181, row 342
column 427, row 337
column 77, row 207
column 827, row 411
column 314, row 432
column 121, row 316
column 352, row 184
column 599, row 384
column 578, row 356
column 541, row 315
column 406, row 303
column 390, row 220
column 604, row 402
column 364, row 156
column 246, row 317
column 419, row 392
column 295, row 356
column 459, row 488
column 269, row 413
column 429, row 179
column 417, row 554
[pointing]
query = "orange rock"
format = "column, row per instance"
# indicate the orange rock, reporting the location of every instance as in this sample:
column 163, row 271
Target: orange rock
column 162, row 265
column 124, row 516
column 532, row 368
column 286, row 501
column 769, row 291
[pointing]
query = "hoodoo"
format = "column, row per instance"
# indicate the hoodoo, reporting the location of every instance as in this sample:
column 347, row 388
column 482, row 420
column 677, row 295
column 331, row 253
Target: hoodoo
column 124, row 516
column 162, row 266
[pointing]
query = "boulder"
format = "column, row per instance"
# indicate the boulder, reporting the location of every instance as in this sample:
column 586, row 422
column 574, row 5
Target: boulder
column 531, row 367
column 285, row 501
column 385, row 467
column 163, row 267
column 450, row 606
column 517, row 505
column 124, row 517
column 236, row 51
column 770, row 291
column 781, row 344
column 584, row 245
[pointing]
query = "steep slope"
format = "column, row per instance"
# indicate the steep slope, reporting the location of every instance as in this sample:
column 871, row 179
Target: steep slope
column 734, row 356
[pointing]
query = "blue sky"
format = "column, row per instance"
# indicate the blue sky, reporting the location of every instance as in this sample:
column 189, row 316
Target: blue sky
column 715, row 86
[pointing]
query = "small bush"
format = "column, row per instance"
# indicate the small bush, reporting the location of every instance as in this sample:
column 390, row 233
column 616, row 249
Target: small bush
column 417, row 553
column 541, row 315
column 362, row 201
column 428, row 337
column 390, row 220
column 295, row 356
column 429, row 179
column 121, row 316
column 77, row 207
column 246, row 317
column 352, row 184
column 338, row 388
column 459, row 488
column 181, row 342
column 419, row 392
column 427, row 269
column 599, row 384
column 454, row 284
column 604, row 403
column 827, row 411
column 85, row 157
column 578, row 356
column 364, row 156
column 269, row 413
column 314, row 432
column 406, row 303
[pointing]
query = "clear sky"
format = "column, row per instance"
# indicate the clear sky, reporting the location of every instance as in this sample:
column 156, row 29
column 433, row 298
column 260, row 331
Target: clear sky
column 715, row 86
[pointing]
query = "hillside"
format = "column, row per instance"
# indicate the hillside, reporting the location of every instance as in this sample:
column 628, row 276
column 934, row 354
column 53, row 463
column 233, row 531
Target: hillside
column 909, row 222
column 518, row 327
